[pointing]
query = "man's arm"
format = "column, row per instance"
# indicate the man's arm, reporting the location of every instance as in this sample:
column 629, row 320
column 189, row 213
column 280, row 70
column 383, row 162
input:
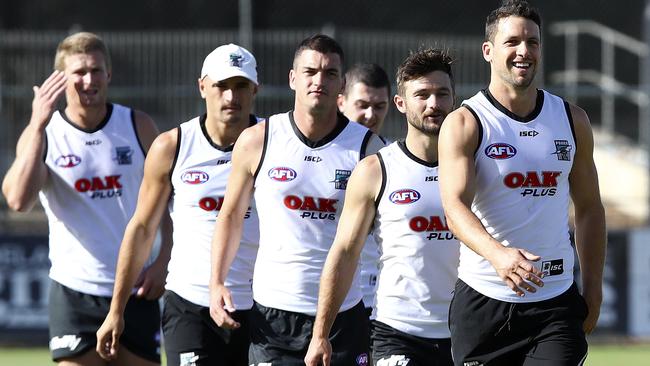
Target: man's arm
column 590, row 231
column 457, row 142
column 246, row 157
column 354, row 225
column 138, row 238
column 151, row 284
column 28, row 172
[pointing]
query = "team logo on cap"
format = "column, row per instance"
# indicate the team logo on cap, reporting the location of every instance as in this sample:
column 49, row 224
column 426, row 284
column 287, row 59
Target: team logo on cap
column 236, row 60
column 67, row 161
column 500, row 150
column 282, row 174
column 195, row 177
column 404, row 196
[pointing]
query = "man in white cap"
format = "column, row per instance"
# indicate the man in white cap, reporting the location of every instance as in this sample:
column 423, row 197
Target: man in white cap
column 190, row 165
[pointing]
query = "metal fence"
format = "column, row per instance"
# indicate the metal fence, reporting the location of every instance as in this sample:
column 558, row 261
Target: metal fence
column 157, row 72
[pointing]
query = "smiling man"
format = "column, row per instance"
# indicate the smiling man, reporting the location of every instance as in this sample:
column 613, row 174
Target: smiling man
column 510, row 159
column 297, row 164
column 86, row 162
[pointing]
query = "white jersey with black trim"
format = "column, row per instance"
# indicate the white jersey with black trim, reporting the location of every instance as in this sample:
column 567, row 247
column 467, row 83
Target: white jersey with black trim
column 419, row 255
column 199, row 178
column 90, row 196
column 299, row 192
column 522, row 192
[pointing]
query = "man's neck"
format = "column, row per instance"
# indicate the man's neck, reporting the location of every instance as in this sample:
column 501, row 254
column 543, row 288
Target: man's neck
column 225, row 134
column 424, row 147
column 521, row 102
column 315, row 125
column 86, row 117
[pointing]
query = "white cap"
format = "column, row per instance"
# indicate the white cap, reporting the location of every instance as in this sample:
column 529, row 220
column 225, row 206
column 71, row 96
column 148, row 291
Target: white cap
column 228, row 61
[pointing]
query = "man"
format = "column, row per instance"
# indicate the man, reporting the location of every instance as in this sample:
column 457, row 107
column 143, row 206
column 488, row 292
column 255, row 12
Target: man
column 396, row 190
column 366, row 96
column 297, row 164
column 87, row 162
column 509, row 162
column 365, row 100
column 192, row 163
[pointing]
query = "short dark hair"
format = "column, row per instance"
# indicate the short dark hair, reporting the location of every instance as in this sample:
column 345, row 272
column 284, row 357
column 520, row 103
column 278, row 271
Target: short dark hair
column 321, row 43
column 370, row 74
column 421, row 63
column 517, row 8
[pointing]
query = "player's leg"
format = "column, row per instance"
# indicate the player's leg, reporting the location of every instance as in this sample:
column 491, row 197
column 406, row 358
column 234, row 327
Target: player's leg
column 89, row 358
column 350, row 337
column 128, row 358
column 561, row 340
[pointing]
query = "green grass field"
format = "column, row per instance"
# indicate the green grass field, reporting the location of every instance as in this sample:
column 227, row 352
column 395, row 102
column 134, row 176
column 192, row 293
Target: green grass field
column 599, row 355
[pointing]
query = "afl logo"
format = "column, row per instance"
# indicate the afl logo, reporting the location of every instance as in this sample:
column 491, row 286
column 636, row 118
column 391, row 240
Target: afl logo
column 282, row 174
column 500, row 151
column 67, row 161
column 404, row 196
column 195, row 177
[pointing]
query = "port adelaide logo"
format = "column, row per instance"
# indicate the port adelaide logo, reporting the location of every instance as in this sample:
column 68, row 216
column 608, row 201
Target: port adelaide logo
column 404, row 196
column 562, row 150
column 123, row 155
column 282, row 174
column 341, row 177
column 500, row 151
column 195, row 177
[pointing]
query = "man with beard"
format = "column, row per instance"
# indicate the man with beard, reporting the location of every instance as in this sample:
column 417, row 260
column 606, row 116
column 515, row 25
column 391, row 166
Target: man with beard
column 396, row 190
column 510, row 160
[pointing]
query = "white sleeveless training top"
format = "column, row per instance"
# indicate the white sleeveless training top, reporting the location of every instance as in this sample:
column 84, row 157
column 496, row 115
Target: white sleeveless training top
column 199, row 178
column 90, row 196
column 419, row 255
column 299, row 192
column 522, row 192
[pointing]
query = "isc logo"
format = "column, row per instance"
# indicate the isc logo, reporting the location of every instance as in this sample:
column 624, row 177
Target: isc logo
column 67, row 161
column 404, row 196
column 553, row 268
column 195, row 177
column 500, row 150
column 529, row 133
column 282, row 174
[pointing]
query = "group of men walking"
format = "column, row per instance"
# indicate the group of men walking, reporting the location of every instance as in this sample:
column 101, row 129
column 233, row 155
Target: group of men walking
column 306, row 237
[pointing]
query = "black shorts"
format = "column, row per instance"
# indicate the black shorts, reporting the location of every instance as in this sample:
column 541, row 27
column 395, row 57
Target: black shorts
column 193, row 338
column 281, row 337
column 393, row 347
column 75, row 318
column 485, row 331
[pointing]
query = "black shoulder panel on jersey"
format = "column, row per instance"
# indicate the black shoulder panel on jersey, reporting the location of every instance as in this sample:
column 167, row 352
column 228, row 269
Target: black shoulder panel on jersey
column 478, row 124
column 569, row 116
column 266, row 141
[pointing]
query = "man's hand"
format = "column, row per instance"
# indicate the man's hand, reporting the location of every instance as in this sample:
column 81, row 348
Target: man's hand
column 221, row 306
column 319, row 352
column 593, row 299
column 151, row 284
column 108, row 336
column 46, row 97
column 514, row 266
